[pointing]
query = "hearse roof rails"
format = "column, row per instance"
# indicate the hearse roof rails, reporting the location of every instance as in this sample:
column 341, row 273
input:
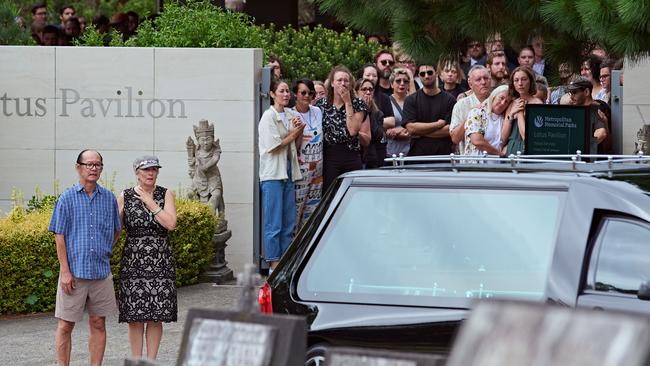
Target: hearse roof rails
column 578, row 162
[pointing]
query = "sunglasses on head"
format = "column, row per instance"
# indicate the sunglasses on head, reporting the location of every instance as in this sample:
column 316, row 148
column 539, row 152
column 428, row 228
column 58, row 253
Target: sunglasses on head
column 387, row 62
column 425, row 73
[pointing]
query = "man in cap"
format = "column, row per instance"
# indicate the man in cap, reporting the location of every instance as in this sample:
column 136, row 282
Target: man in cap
column 580, row 92
column 85, row 222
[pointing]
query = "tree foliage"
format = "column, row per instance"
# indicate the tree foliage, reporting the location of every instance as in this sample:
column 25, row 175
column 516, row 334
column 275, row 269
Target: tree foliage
column 428, row 29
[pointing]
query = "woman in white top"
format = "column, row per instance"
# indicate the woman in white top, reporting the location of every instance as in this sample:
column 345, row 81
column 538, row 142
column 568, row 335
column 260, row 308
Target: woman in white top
column 310, row 151
column 279, row 133
column 484, row 124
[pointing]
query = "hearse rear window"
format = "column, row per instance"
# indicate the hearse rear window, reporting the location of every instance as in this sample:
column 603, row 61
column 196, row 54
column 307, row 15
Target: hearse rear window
column 416, row 246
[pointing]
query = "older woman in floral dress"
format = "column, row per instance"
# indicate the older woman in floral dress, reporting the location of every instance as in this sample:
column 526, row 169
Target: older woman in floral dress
column 484, row 124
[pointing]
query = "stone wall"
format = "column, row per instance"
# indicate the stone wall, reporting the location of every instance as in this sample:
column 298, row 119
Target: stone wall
column 126, row 102
column 636, row 102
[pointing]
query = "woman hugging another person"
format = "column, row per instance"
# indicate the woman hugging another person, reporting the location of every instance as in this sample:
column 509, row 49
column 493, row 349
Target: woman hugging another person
column 484, row 124
column 522, row 90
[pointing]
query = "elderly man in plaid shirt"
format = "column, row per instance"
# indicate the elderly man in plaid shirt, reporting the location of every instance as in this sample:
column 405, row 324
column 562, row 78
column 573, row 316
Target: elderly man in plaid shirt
column 86, row 224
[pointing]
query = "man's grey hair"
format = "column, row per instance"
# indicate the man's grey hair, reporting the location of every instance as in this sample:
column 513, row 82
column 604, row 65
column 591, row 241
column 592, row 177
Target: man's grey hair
column 474, row 69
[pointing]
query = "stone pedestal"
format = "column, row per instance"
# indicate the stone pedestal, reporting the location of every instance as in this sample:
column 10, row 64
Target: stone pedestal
column 218, row 272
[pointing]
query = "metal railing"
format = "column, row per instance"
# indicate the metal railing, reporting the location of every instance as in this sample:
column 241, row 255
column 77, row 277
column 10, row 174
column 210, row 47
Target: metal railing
column 577, row 162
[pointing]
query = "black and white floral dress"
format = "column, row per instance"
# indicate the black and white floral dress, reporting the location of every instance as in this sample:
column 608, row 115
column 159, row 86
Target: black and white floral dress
column 147, row 270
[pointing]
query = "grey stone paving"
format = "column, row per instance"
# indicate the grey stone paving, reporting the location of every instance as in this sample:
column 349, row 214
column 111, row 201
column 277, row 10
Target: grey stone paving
column 29, row 341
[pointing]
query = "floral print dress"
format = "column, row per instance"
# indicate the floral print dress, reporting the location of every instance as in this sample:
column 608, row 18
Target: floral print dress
column 488, row 124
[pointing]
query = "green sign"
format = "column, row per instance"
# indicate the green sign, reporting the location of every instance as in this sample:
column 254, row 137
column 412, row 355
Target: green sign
column 558, row 129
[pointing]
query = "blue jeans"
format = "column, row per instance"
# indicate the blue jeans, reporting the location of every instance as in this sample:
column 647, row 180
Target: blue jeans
column 278, row 216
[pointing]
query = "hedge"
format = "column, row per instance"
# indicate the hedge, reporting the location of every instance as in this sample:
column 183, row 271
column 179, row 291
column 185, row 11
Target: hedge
column 30, row 267
column 305, row 52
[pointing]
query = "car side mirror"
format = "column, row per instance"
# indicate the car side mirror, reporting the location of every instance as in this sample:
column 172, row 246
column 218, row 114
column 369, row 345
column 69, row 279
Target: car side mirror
column 644, row 291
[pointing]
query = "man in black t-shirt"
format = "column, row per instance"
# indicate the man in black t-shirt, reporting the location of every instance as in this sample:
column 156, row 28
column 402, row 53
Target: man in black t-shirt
column 384, row 61
column 580, row 91
column 427, row 114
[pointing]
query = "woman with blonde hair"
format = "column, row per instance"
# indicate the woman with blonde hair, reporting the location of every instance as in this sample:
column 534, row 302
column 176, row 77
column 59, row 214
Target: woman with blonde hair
column 343, row 115
column 484, row 124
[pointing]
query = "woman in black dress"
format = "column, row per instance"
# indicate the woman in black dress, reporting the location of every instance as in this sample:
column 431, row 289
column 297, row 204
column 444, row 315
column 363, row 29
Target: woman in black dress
column 343, row 115
column 147, row 292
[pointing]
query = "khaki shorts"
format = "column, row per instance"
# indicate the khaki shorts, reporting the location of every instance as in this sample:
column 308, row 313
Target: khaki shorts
column 97, row 296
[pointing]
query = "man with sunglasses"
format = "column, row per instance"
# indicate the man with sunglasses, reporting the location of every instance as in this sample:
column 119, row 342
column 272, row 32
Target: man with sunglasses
column 476, row 55
column 384, row 61
column 426, row 116
column 580, row 93
column 86, row 223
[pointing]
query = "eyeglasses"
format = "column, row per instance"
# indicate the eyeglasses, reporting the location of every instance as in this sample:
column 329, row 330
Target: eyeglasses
column 90, row 166
column 402, row 81
column 387, row 62
column 425, row 73
column 368, row 89
column 306, row 92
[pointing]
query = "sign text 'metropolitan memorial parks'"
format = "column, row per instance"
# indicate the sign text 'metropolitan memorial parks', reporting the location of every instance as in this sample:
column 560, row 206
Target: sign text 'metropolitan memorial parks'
column 557, row 129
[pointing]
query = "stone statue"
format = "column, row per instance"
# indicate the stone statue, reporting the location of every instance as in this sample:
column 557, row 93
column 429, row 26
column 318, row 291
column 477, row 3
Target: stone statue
column 642, row 140
column 202, row 159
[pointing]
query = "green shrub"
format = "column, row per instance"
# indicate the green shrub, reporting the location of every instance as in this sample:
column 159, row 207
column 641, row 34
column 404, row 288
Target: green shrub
column 28, row 262
column 30, row 267
column 10, row 31
column 198, row 24
column 305, row 52
column 312, row 53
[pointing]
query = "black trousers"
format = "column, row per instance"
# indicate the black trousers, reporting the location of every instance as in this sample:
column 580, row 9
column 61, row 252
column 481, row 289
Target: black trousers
column 338, row 159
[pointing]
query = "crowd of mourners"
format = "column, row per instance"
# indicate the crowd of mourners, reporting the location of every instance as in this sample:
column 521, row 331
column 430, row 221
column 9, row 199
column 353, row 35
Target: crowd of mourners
column 71, row 26
column 475, row 104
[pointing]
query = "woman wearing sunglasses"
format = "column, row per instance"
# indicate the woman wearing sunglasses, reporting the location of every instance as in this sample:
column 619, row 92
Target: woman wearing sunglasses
column 310, row 151
column 374, row 143
column 399, row 139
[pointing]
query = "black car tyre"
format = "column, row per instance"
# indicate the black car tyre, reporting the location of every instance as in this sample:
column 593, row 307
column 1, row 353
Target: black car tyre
column 316, row 355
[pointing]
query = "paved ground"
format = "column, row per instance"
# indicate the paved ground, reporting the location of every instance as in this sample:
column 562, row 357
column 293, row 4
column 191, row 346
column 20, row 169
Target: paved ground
column 29, row 341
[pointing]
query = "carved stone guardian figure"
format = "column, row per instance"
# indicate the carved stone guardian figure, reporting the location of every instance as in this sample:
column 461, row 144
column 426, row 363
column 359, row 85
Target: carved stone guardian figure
column 202, row 158
column 642, row 140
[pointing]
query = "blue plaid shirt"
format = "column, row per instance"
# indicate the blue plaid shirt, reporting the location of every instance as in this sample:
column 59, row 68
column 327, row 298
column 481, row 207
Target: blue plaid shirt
column 88, row 224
